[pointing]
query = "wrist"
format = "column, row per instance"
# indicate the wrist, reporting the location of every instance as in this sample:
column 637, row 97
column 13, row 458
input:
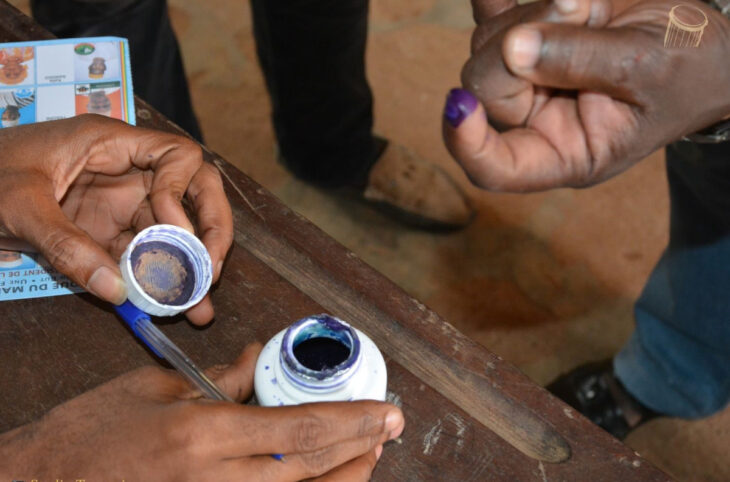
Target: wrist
column 723, row 7
column 718, row 127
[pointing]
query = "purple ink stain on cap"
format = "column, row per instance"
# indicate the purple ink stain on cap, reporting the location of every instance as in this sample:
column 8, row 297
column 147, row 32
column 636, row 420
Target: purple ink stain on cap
column 164, row 272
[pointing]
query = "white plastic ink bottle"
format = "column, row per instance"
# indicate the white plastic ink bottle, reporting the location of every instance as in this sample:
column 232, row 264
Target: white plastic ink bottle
column 319, row 358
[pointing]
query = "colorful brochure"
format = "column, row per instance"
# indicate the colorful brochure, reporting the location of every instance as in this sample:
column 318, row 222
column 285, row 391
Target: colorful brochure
column 49, row 80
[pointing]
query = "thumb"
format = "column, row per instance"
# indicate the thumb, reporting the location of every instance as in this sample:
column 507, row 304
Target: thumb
column 69, row 249
column 574, row 57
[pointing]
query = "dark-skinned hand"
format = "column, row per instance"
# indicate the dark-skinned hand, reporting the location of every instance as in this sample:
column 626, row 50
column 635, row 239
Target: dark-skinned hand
column 78, row 190
column 150, row 425
column 572, row 93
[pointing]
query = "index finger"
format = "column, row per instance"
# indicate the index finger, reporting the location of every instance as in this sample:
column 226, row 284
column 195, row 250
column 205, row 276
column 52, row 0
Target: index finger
column 517, row 160
column 178, row 160
column 173, row 159
column 246, row 430
column 213, row 214
column 486, row 9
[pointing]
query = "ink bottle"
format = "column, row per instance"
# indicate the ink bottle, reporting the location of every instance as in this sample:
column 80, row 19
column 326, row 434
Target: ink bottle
column 319, row 358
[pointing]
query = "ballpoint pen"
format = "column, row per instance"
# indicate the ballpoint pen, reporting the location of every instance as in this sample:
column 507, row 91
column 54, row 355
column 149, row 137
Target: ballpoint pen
column 163, row 347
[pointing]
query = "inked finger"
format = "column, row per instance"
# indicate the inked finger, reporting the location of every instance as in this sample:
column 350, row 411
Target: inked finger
column 514, row 161
column 465, row 127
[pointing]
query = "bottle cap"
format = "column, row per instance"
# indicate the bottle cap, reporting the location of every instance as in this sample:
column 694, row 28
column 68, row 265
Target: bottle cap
column 167, row 270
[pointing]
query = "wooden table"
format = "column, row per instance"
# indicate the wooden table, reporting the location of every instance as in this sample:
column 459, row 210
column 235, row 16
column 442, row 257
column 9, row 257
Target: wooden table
column 470, row 415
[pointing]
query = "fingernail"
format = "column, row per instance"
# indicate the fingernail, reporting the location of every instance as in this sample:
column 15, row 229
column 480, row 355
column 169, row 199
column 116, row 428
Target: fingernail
column 599, row 14
column 567, row 6
column 108, row 285
column 459, row 104
column 218, row 269
column 393, row 424
column 525, row 49
column 378, row 452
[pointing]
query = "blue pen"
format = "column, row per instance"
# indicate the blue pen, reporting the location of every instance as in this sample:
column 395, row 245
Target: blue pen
column 162, row 346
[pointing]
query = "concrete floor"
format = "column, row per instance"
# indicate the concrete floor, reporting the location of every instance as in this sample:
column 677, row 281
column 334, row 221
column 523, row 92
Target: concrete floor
column 545, row 280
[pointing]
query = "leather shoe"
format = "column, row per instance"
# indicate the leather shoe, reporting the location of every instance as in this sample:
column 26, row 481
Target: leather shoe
column 417, row 192
column 594, row 391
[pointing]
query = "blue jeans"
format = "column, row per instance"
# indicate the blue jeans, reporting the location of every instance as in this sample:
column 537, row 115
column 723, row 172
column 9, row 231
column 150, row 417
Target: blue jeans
column 677, row 362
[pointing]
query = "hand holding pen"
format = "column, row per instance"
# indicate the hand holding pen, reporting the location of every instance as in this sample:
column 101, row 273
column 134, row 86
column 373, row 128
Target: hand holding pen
column 151, row 424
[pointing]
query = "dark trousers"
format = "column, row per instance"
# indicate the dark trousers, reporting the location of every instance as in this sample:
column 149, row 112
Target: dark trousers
column 157, row 70
column 312, row 53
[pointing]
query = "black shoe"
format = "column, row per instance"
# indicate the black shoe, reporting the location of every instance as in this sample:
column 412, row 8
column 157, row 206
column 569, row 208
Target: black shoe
column 594, row 391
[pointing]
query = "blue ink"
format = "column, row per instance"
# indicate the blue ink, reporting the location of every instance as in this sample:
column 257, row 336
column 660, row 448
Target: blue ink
column 329, row 347
column 321, row 353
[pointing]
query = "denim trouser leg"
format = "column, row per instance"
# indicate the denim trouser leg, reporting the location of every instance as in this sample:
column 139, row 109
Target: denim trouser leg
column 312, row 53
column 678, row 360
column 157, row 69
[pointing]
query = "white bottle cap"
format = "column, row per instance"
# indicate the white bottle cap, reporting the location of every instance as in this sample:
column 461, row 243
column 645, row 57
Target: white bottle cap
column 167, row 270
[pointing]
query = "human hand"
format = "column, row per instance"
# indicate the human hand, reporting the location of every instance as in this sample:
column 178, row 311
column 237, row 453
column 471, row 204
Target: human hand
column 581, row 97
column 150, row 424
column 79, row 189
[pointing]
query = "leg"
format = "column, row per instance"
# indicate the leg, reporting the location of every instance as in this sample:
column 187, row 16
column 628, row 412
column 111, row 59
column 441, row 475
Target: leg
column 157, row 67
column 678, row 360
column 312, row 53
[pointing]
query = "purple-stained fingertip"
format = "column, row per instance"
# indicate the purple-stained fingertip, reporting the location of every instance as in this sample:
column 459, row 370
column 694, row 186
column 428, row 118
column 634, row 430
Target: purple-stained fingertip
column 460, row 104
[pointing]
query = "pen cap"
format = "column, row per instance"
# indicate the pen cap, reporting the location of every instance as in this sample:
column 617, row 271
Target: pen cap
column 167, row 270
